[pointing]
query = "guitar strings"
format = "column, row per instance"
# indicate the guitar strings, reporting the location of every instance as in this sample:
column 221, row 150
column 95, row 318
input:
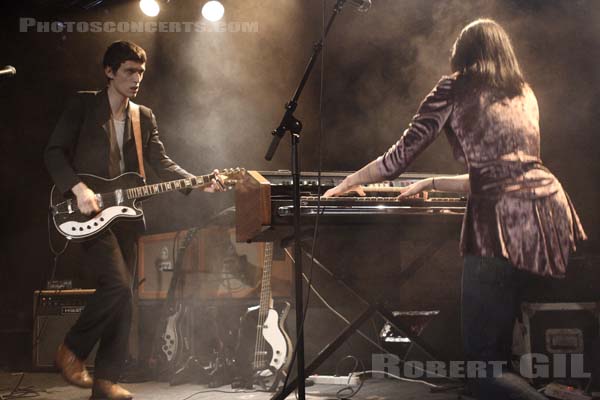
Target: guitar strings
column 257, row 343
column 267, row 294
column 260, row 354
column 259, row 323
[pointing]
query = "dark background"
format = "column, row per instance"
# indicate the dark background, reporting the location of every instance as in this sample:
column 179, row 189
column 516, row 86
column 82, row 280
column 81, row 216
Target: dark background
column 217, row 96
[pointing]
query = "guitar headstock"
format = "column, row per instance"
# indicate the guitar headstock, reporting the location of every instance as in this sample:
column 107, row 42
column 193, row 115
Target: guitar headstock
column 231, row 176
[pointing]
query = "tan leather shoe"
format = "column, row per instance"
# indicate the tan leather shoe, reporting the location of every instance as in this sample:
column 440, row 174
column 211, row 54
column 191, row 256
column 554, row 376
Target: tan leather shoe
column 107, row 390
column 72, row 368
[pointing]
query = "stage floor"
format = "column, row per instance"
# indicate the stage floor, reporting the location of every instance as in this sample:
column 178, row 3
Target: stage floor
column 50, row 386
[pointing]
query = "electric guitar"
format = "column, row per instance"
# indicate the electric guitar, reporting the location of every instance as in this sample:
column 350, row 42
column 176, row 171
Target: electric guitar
column 264, row 346
column 117, row 199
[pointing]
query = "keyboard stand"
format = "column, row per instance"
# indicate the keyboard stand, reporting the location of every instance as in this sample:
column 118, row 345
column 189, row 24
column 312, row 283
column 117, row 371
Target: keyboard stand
column 374, row 306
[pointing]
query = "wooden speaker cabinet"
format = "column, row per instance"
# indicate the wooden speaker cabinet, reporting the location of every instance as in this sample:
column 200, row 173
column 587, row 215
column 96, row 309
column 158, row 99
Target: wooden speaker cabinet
column 215, row 265
column 156, row 260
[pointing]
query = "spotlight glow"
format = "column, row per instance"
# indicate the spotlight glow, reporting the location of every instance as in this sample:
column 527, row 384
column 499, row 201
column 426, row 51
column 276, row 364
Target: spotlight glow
column 213, row 10
column 150, row 7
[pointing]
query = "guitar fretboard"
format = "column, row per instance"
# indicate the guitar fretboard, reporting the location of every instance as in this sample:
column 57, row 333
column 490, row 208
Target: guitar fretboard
column 265, row 301
column 265, row 293
column 163, row 187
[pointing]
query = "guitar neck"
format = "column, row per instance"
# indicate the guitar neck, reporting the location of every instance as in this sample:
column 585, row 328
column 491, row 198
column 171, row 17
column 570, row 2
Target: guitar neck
column 164, row 187
column 177, row 268
column 265, row 293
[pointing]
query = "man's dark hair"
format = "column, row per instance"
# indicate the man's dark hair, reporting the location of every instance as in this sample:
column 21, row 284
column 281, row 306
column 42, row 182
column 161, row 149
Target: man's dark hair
column 484, row 55
column 119, row 52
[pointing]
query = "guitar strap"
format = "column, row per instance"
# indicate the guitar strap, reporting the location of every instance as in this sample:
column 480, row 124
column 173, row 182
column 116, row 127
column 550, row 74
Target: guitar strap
column 134, row 348
column 137, row 134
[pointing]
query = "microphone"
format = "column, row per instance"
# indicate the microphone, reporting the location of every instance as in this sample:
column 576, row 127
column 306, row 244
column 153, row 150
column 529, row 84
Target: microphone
column 8, row 70
column 361, row 5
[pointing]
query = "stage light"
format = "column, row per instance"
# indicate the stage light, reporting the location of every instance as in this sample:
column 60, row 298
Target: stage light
column 213, row 10
column 150, row 7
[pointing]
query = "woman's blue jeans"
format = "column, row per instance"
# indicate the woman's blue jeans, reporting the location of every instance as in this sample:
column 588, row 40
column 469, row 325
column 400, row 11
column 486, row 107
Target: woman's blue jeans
column 490, row 301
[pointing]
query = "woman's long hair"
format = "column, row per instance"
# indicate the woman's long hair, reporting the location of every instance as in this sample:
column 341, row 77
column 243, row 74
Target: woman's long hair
column 483, row 55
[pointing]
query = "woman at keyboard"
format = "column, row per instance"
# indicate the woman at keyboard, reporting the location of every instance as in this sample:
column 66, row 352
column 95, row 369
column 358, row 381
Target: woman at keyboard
column 519, row 221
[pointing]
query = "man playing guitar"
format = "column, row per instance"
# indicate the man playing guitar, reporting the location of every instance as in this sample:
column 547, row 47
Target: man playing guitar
column 96, row 134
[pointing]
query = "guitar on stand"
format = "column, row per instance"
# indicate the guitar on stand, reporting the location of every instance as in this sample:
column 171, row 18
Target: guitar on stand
column 264, row 347
column 171, row 341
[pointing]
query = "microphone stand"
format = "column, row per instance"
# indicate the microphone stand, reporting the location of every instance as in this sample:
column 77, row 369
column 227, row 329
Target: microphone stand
column 291, row 124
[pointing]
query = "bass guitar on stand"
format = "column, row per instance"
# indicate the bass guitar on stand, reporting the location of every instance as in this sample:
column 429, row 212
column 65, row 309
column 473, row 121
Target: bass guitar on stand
column 264, row 347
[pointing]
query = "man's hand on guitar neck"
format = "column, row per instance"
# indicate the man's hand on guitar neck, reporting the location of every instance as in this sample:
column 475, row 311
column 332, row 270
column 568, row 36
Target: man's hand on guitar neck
column 217, row 183
column 86, row 199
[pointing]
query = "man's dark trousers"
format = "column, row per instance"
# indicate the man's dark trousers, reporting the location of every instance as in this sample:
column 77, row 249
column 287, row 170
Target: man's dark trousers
column 107, row 316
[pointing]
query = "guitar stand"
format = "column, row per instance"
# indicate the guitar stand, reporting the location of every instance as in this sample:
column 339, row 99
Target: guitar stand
column 191, row 371
column 219, row 372
column 374, row 306
column 222, row 373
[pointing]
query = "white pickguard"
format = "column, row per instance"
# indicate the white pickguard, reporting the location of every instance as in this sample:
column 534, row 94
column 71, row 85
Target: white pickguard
column 78, row 230
column 170, row 340
column 275, row 338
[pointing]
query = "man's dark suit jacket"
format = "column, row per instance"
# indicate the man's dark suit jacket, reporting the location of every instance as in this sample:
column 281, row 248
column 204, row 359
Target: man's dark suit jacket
column 80, row 143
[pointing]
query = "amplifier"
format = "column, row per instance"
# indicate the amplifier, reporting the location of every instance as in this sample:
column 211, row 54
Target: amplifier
column 156, row 261
column 560, row 338
column 55, row 311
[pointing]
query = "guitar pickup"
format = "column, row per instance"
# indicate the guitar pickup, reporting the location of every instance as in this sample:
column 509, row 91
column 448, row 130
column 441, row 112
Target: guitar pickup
column 119, row 196
column 62, row 208
column 99, row 200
